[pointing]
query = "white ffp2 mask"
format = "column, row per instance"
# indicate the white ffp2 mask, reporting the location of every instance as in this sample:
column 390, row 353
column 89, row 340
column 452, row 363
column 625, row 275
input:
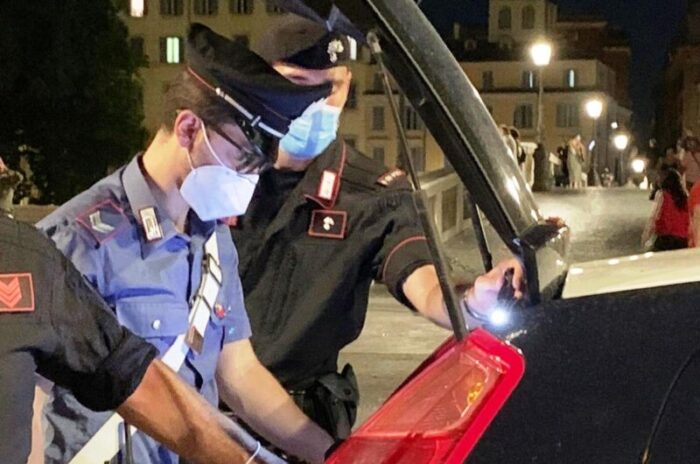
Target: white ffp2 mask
column 216, row 191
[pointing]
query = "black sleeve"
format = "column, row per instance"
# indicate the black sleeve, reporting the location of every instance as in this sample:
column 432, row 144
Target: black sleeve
column 404, row 248
column 99, row 361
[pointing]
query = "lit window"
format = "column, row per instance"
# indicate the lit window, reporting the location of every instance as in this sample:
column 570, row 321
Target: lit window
column 170, row 50
column 529, row 80
column 570, row 78
column 352, row 43
column 137, row 8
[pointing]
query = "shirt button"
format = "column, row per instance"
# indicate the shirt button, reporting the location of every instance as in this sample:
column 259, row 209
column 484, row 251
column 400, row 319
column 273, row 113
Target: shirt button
column 156, row 324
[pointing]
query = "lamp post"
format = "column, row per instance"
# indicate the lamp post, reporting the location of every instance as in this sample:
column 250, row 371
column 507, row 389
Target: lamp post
column 541, row 54
column 621, row 141
column 594, row 109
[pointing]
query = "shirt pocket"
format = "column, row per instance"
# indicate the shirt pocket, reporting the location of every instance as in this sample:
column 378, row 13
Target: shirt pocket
column 149, row 319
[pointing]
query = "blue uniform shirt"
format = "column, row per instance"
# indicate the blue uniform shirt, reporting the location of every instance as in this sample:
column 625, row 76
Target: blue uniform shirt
column 149, row 285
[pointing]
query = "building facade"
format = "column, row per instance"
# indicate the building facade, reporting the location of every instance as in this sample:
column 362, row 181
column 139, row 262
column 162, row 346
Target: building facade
column 680, row 106
column 590, row 61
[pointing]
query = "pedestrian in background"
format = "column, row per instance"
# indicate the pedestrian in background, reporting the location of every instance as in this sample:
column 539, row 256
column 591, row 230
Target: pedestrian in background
column 575, row 161
column 690, row 146
column 669, row 224
column 9, row 179
column 509, row 141
column 669, row 161
column 519, row 150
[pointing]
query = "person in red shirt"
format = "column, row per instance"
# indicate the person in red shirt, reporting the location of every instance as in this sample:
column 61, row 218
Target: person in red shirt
column 694, row 210
column 670, row 221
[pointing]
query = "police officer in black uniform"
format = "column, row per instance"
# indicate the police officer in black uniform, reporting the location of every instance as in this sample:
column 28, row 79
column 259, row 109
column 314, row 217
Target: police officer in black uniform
column 53, row 323
column 318, row 232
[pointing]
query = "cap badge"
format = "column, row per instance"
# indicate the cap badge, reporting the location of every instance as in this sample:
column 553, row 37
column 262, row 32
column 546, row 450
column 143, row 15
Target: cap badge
column 335, row 46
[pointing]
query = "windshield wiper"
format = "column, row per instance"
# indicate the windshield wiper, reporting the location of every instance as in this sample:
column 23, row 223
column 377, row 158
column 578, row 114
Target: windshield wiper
column 454, row 308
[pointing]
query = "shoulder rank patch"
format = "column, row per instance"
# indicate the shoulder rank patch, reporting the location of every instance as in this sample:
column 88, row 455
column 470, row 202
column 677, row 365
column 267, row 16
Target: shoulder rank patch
column 328, row 224
column 389, row 177
column 16, row 293
column 104, row 220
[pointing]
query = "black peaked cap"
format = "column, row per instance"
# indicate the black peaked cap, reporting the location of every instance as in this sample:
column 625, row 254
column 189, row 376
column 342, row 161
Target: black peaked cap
column 258, row 93
column 304, row 43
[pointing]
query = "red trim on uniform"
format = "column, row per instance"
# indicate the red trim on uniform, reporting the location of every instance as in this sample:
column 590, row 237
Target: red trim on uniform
column 11, row 294
column 415, row 238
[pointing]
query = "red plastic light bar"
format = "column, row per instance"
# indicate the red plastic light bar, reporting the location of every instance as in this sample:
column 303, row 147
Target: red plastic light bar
column 438, row 416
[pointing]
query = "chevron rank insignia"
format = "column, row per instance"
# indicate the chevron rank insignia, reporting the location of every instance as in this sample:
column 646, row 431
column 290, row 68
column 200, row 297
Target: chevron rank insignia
column 103, row 220
column 16, row 293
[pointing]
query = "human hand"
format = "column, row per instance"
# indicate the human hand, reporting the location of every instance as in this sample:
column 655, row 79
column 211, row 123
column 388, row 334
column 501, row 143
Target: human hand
column 556, row 221
column 482, row 297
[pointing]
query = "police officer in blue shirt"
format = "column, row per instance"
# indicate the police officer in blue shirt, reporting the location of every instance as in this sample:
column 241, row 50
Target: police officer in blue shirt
column 148, row 239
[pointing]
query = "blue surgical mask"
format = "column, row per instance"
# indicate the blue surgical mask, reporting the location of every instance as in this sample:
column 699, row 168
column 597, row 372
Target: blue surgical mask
column 216, row 191
column 311, row 133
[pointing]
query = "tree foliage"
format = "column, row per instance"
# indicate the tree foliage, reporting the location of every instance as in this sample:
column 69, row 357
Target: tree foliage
column 69, row 93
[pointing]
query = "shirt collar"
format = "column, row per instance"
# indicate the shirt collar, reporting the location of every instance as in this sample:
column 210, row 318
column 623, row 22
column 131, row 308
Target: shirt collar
column 140, row 197
column 316, row 184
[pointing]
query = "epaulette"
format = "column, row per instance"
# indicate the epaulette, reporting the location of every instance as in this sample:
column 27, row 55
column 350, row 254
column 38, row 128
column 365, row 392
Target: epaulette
column 103, row 220
column 364, row 172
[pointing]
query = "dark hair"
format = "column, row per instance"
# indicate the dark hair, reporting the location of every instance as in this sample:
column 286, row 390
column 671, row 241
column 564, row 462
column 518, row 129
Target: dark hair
column 673, row 184
column 184, row 92
column 514, row 133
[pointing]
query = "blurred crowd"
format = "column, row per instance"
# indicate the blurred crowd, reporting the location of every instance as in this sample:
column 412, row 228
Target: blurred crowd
column 675, row 219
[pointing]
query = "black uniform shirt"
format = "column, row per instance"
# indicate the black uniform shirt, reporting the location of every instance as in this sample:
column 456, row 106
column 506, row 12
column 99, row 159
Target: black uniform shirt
column 53, row 323
column 307, row 262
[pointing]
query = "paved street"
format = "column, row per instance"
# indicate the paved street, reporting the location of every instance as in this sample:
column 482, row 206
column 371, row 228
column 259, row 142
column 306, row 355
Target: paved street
column 604, row 223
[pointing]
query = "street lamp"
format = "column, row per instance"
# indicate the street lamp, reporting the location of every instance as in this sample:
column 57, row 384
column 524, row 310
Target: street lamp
column 541, row 54
column 594, row 109
column 621, row 141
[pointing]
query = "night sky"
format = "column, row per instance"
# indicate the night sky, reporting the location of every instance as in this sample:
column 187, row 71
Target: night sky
column 651, row 25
